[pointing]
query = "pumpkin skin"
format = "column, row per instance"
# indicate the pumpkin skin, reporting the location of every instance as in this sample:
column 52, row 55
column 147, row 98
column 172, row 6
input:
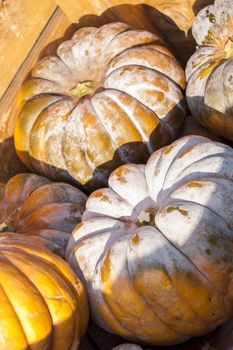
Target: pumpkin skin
column 43, row 304
column 132, row 103
column 156, row 240
column 209, row 71
column 193, row 127
column 36, row 207
column 127, row 347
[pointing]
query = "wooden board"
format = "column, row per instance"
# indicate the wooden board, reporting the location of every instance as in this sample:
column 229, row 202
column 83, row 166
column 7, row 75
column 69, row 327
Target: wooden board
column 21, row 22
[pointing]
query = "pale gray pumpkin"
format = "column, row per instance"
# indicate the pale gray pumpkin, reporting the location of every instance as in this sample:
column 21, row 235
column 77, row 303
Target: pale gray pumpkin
column 154, row 249
column 209, row 71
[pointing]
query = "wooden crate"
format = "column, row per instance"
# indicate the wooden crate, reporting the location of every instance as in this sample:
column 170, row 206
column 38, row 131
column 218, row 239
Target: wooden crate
column 31, row 29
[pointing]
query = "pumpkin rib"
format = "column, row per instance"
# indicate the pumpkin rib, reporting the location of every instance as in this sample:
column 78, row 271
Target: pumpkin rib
column 39, row 69
column 131, row 330
column 22, row 137
column 15, row 313
column 38, row 143
column 134, row 33
column 112, row 315
column 186, row 257
column 177, row 291
column 195, row 268
column 8, row 261
column 56, row 277
column 123, row 331
column 182, row 151
column 116, row 146
column 82, row 142
column 202, row 205
column 147, row 302
column 161, row 121
column 220, row 293
column 39, row 217
column 54, row 268
column 115, row 36
column 202, row 159
column 68, row 275
column 140, row 72
column 133, row 120
column 43, row 191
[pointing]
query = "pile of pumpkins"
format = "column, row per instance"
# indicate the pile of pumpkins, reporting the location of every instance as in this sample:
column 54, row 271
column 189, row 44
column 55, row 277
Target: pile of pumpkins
column 141, row 208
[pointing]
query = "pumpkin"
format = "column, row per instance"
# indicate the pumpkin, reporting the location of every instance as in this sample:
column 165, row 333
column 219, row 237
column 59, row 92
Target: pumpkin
column 111, row 96
column 127, row 347
column 209, row 70
column 43, row 303
column 193, row 127
column 36, row 207
column 154, row 249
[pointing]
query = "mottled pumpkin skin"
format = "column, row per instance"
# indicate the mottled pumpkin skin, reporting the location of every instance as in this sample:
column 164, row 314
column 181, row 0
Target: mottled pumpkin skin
column 133, row 104
column 45, row 212
column 43, row 304
column 154, row 249
column 209, row 71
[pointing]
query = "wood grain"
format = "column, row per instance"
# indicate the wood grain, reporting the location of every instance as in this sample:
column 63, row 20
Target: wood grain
column 20, row 24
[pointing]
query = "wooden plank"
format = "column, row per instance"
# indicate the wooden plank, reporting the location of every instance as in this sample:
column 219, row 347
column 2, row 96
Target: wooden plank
column 21, row 22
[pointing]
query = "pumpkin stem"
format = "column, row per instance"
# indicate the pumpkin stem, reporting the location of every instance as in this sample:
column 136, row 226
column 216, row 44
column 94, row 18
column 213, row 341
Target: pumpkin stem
column 82, row 89
column 229, row 48
column 146, row 217
column 7, row 227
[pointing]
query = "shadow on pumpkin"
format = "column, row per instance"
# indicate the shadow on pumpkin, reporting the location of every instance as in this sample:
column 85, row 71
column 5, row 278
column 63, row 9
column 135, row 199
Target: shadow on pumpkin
column 221, row 123
column 140, row 16
column 9, row 161
column 134, row 152
column 208, row 342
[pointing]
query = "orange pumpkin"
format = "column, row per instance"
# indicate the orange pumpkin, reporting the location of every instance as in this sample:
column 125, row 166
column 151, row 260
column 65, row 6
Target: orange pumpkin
column 112, row 95
column 43, row 304
column 34, row 206
column 209, row 71
column 154, row 249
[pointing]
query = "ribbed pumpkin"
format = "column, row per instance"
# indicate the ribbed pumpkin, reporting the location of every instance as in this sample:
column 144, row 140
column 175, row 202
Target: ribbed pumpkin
column 43, row 304
column 155, row 248
column 34, row 206
column 193, row 127
column 209, row 70
column 111, row 96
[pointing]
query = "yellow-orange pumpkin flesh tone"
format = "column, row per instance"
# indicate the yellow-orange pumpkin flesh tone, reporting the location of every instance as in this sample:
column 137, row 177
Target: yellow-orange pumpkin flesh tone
column 43, row 211
column 112, row 95
column 43, row 304
column 154, row 249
